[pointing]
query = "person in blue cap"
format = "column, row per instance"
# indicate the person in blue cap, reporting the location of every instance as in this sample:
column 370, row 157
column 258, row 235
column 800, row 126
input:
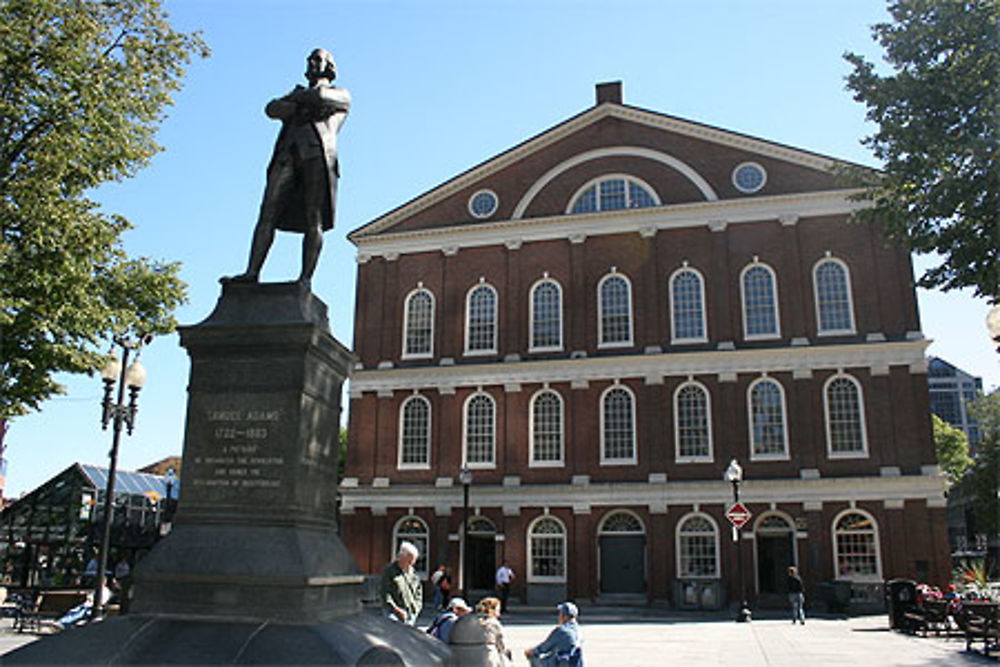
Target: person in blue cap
column 562, row 646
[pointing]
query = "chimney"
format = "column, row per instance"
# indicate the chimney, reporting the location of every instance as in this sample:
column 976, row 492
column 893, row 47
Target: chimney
column 610, row 91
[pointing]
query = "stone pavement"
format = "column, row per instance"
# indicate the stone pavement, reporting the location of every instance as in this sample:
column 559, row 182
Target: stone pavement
column 636, row 637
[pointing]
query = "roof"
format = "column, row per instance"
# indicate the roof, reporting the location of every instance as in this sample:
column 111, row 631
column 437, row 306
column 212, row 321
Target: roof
column 133, row 483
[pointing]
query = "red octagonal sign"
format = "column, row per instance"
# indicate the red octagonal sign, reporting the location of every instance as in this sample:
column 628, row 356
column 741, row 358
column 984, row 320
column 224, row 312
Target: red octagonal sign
column 738, row 515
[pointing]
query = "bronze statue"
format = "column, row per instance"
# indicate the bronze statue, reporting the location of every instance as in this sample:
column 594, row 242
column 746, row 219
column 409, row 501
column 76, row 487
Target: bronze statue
column 301, row 191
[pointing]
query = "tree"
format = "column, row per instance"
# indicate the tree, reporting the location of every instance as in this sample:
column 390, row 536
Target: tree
column 938, row 138
column 83, row 91
column 982, row 481
column 952, row 448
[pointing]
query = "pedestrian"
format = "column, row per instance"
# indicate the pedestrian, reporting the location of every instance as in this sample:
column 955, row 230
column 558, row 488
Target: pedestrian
column 439, row 604
column 399, row 590
column 563, row 645
column 796, row 595
column 503, row 578
column 445, row 621
column 489, row 616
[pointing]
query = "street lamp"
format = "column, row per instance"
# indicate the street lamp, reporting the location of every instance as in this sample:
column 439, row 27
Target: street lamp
column 117, row 413
column 734, row 475
column 465, row 478
column 166, row 512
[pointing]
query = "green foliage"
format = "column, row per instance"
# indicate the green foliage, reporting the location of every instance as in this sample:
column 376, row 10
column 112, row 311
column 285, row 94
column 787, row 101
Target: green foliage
column 939, row 136
column 982, row 481
column 952, row 448
column 83, row 91
column 972, row 578
column 342, row 455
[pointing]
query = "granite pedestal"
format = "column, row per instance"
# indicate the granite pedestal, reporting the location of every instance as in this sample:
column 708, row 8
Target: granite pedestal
column 253, row 571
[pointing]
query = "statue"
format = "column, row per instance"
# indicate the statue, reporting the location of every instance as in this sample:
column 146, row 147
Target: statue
column 301, row 191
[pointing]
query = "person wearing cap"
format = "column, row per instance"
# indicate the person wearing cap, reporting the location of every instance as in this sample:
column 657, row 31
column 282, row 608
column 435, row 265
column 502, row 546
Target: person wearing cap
column 562, row 646
column 445, row 621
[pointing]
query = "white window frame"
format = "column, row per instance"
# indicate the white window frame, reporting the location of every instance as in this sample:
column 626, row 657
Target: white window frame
column 468, row 319
column 532, row 463
column 531, row 316
column 674, row 338
column 424, row 549
column 850, row 298
column 601, row 343
column 465, row 433
column 710, row 457
column 605, row 461
column 596, row 182
column 865, row 578
column 402, row 422
column 783, row 456
column 546, row 579
column 863, row 452
column 677, row 547
column 743, row 302
column 406, row 324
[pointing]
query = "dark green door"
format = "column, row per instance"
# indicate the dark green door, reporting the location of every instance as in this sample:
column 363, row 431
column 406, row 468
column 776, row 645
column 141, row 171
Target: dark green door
column 774, row 555
column 623, row 564
column 482, row 562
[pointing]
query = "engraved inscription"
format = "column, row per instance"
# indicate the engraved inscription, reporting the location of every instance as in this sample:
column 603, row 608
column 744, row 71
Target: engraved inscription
column 237, row 455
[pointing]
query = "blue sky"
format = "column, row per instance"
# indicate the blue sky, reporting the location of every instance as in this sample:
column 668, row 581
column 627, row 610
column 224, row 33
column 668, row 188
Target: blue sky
column 440, row 86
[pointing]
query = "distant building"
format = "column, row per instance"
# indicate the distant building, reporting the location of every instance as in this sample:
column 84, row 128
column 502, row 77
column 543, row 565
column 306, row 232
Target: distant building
column 50, row 533
column 595, row 322
column 951, row 390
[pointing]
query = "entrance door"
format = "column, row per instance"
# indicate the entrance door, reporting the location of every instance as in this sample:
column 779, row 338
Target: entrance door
column 623, row 564
column 482, row 554
column 775, row 553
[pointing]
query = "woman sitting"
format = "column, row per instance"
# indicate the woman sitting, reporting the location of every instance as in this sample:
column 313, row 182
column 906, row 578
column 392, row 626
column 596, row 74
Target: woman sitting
column 489, row 615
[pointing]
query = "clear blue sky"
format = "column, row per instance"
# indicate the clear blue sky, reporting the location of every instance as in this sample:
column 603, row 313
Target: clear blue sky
column 439, row 87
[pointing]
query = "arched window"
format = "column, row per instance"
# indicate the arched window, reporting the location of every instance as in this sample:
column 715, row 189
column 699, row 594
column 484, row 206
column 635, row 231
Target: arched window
column 481, row 320
column 856, row 554
column 546, row 429
column 845, row 418
column 418, row 318
column 546, row 316
column 547, row 550
column 609, row 193
column 768, row 435
column 692, row 423
column 479, row 431
column 832, row 290
column 614, row 310
column 415, row 433
column 617, row 426
column 687, row 307
column 412, row 529
column 697, row 547
column 621, row 522
column 760, row 302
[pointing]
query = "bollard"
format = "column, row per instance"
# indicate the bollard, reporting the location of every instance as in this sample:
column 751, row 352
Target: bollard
column 468, row 643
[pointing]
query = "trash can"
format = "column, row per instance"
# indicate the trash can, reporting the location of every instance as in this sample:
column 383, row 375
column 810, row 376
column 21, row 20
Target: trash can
column 901, row 597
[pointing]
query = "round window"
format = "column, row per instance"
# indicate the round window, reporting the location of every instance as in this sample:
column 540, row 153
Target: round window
column 749, row 177
column 483, row 204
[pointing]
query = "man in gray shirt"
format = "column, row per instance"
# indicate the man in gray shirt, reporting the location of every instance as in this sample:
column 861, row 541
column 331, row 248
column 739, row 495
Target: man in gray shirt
column 400, row 591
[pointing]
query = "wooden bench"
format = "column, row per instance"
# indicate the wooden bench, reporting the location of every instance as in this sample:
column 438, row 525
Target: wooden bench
column 46, row 606
column 980, row 622
column 929, row 616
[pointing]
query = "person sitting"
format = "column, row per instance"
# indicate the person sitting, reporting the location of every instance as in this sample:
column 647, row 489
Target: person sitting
column 445, row 621
column 563, row 645
column 489, row 616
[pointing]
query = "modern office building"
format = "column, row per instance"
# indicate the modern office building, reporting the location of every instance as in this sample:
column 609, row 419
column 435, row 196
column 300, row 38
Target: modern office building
column 594, row 323
column 951, row 390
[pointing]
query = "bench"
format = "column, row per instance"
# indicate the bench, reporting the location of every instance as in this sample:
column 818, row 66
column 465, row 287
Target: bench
column 929, row 616
column 46, row 606
column 980, row 622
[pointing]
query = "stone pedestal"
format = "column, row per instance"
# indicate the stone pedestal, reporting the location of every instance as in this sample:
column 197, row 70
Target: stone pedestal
column 253, row 571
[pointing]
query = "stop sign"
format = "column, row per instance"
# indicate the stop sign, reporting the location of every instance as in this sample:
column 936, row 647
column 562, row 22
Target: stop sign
column 738, row 515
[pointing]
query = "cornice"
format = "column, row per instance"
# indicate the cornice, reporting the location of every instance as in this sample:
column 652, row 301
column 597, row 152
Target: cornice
column 701, row 492
column 641, row 221
column 647, row 366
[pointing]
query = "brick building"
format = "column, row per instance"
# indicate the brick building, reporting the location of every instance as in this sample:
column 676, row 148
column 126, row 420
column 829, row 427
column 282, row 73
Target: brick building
column 596, row 322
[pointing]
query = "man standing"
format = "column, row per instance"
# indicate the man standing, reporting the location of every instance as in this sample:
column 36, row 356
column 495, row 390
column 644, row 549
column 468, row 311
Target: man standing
column 400, row 591
column 562, row 646
column 504, row 576
column 796, row 595
column 301, row 190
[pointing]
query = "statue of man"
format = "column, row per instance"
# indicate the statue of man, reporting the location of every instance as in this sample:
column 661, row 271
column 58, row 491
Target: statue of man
column 301, row 191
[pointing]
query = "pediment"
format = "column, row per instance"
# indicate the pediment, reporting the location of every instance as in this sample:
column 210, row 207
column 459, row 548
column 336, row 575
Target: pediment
column 681, row 161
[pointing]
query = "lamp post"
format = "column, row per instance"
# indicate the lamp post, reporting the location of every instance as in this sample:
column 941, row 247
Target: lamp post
column 166, row 512
column 118, row 414
column 734, row 475
column 465, row 477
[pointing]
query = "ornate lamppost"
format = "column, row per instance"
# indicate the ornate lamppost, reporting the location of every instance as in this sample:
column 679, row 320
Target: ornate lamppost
column 167, row 510
column 734, row 475
column 117, row 413
column 465, row 478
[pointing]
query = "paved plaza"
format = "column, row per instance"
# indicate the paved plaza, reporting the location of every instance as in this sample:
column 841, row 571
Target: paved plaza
column 627, row 638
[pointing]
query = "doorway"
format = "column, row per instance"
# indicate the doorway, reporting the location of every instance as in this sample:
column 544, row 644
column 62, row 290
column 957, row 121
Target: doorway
column 622, row 552
column 775, row 541
column 482, row 557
